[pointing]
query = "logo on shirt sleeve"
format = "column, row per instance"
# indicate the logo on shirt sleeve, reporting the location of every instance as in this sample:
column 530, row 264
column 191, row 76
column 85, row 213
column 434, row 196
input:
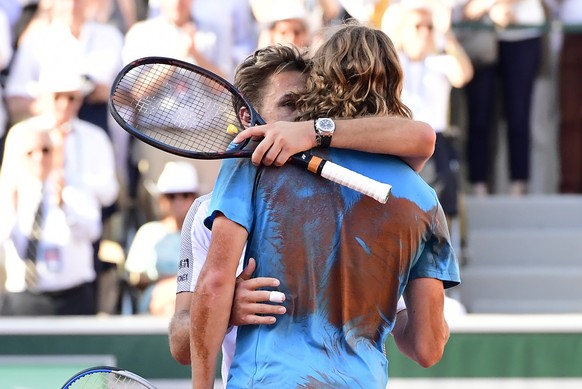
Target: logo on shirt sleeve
column 184, row 263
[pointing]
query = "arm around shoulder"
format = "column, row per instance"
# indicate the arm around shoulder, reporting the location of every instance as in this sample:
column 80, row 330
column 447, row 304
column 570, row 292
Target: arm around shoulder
column 411, row 140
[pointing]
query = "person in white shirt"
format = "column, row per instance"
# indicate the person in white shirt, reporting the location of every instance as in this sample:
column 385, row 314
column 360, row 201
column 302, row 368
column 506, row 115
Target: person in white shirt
column 47, row 230
column 67, row 36
column 430, row 73
column 84, row 153
column 174, row 34
column 229, row 21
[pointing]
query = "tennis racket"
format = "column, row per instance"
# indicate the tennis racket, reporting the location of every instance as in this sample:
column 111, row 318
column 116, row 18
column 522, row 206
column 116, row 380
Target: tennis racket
column 186, row 110
column 107, row 377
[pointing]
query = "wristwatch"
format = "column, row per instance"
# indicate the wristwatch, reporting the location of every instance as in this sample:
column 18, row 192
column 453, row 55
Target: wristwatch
column 324, row 128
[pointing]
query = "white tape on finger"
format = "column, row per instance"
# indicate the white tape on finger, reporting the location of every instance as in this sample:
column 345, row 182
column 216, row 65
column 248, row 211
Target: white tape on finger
column 276, row 297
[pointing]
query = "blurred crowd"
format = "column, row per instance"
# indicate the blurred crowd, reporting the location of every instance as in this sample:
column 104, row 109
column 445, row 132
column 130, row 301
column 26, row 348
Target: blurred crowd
column 90, row 218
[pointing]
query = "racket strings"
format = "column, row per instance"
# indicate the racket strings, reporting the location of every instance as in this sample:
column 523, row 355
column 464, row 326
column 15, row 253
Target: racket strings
column 179, row 107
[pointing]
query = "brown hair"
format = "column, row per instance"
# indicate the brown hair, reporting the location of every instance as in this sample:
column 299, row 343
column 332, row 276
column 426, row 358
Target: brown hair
column 255, row 72
column 355, row 73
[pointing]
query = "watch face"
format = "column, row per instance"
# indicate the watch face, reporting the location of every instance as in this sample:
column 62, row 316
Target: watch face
column 326, row 125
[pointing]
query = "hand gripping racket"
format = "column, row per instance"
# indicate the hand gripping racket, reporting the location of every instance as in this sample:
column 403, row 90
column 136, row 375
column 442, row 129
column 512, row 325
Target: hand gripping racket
column 186, row 110
column 106, row 377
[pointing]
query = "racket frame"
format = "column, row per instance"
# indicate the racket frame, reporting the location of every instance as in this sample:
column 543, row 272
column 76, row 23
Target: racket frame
column 235, row 152
column 108, row 369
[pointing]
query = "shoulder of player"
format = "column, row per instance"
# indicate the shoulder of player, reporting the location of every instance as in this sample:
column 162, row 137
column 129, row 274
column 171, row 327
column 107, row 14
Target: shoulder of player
column 201, row 203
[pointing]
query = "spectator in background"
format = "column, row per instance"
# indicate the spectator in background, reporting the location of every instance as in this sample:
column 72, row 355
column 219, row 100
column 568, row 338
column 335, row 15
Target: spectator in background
column 517, row 59
column 153, row 255
column 173, row 33
column 83, row 154
column 66, row 33
column 281, row 21
column 430, row 73
column 570, row 96
column 233, row 24
column 230, row 21
column 47, row 228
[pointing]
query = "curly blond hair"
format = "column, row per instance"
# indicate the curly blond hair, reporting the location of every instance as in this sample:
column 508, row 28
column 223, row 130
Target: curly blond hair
column 355, row 73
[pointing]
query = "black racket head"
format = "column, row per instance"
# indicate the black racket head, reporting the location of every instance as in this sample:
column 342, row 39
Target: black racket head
column 180, row 108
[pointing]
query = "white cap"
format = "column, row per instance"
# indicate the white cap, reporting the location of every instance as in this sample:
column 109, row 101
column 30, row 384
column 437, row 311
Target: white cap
column 62, row 81
column 178, row 177
column 361, row 10
column 64, row 76
column 271, row 11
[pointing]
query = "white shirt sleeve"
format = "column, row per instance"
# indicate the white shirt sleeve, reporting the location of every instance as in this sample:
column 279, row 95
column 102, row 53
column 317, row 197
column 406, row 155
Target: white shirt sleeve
column 194, row 245
column 195, row 241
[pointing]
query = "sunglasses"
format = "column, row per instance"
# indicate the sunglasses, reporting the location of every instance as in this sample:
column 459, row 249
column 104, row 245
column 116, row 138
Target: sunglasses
column 427, row 26
column 183, row 195
column 70, row 97
column 44, row 151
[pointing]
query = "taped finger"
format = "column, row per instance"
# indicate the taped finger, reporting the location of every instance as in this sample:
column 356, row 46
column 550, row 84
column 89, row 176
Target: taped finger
column 276, row 297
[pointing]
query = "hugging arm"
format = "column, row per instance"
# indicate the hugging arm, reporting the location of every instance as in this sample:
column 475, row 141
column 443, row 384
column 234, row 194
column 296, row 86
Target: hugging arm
column 250, row 306
column 411, row 140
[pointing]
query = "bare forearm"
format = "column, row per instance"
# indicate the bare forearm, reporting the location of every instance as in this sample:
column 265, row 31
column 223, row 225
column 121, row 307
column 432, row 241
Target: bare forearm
column 411, row 140
column 179, row 333
column 212, row 301
column 462, row 72
column 424, row 346
column 211, row 307
column 404, row 346
column 421, row 332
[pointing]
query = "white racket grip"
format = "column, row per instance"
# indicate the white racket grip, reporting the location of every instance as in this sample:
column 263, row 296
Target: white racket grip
column 365, row 185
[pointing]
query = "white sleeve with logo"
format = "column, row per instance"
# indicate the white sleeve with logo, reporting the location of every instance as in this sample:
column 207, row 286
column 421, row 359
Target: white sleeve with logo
column 194, row 244
column 195, row 240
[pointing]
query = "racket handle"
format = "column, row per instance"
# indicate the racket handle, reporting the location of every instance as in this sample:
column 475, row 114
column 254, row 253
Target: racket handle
column 365, row 185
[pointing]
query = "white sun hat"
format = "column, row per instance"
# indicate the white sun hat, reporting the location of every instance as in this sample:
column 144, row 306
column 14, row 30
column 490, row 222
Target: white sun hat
column 178, row 177
column 64, row 78
column 271, row 11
